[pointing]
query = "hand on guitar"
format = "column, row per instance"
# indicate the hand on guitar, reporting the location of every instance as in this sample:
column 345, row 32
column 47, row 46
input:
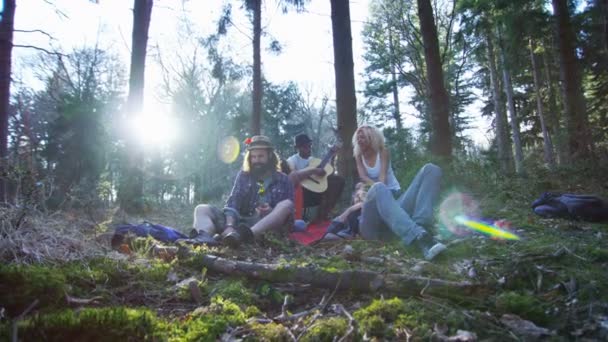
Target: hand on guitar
column 318, row 172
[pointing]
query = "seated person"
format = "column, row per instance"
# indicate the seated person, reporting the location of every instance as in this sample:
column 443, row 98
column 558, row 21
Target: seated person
column 382, row 217
column 299, row 170
column 261, row 200
column 373, row 158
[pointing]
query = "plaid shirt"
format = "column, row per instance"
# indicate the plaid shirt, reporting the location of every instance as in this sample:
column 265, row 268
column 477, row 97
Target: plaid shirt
column 244, row 196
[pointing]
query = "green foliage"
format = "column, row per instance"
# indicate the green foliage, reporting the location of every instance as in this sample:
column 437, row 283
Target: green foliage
column 233, row 290
column 20, row 285
column 326, row 330
column 376, row 318
column 270, row 332
column 206, row 324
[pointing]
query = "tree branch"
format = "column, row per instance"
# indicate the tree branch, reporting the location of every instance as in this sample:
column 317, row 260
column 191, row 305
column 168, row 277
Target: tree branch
column 36, row 31
column 39, row 49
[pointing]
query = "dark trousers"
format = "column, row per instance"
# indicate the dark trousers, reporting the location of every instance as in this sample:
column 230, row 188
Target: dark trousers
column 326, row 200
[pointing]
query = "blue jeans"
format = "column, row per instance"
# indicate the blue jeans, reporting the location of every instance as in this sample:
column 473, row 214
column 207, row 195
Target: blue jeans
column 383, row 217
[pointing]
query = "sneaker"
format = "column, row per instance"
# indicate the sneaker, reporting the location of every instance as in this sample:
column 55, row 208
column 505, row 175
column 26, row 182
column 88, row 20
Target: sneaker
column 231, row 237
column 201, row 238
column 429, row 246
column 432, row 252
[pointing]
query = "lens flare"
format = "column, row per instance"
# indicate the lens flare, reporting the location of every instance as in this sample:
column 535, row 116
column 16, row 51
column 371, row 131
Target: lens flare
column 485, row 228
column 228, row 149
column 455, row 204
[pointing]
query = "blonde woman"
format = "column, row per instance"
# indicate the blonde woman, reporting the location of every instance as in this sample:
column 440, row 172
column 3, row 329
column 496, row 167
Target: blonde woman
column 373, row 158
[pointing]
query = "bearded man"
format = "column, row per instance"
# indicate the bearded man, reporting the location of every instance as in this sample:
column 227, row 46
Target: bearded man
column 261, row 200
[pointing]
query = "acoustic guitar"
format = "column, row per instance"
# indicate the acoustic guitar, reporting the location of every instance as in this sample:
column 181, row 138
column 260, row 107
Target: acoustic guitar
column 319, row 183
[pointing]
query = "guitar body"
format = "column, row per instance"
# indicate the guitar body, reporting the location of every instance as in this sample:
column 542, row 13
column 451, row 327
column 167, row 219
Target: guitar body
column 315, row 183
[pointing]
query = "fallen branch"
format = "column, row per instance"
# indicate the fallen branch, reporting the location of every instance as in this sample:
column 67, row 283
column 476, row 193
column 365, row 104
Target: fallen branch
column 353, row 280
column 20, row 317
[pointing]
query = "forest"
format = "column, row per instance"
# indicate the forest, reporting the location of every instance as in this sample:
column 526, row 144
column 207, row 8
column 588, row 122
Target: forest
column 81, row 154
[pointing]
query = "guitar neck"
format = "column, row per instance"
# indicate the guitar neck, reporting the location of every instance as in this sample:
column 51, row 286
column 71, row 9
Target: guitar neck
column 326, row 159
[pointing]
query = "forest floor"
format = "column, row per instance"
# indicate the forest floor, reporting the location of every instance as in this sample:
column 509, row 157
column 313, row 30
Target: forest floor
column 63, row 282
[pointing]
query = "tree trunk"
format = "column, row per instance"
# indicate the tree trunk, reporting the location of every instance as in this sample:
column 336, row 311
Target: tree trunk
column 441, row 139
column 346, row 101
column 131, row 194
column 556, row 132
column 349, row 280
column 579, row 139
column 257, row 69
column 508, row 89
column 547, row 143
column 502, row 140
column 396, row 110
column 6, row 48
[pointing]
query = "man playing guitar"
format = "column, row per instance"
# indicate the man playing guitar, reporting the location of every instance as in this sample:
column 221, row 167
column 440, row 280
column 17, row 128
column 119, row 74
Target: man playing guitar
column 320, row 186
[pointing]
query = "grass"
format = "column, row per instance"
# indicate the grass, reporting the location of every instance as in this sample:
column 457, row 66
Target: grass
column 554, row 277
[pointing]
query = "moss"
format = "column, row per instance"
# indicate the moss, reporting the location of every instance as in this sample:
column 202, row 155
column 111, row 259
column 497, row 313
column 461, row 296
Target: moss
column 523, row 305
column 375, row 319
column 100, row 324
column 326, row 330
column 267, row 292
column 20, row 285
column 234, row 290
column 206, row 324
column 270, row 332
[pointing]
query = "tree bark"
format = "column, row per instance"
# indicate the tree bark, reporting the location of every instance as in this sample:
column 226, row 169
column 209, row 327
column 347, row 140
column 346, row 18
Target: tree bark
column 558, row 134
column 256, row 117
column 508, row 89
column 441, row 139
column 547, row 143
column 350, row 280
column 395, row 87
column 502, row 140
column 579, row 139
column 346, row 100
column 6, row 48
column 131, row 194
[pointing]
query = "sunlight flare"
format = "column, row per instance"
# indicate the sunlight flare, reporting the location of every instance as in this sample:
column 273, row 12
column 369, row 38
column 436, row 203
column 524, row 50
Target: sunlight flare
column 153, row 129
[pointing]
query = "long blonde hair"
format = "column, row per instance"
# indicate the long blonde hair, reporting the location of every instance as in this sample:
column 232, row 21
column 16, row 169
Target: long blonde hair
column 374, row 135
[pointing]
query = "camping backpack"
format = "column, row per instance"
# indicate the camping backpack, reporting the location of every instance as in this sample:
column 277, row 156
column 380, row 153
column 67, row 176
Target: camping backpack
column 570, row 206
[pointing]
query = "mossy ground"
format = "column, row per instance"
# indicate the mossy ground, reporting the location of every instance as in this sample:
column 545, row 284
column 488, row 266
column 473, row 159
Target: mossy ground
column 555, row 277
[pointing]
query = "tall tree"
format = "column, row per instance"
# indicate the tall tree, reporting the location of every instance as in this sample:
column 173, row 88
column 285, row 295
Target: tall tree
column 507, row 85
column 502, row 140
column 257, row 67
column 441, row 140
column 346, row 100
column 131, row 188
column 7, row 22
column 548, row 144
column 579, row 139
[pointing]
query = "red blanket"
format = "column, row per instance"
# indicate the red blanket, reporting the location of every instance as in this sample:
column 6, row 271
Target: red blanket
column 313, row 233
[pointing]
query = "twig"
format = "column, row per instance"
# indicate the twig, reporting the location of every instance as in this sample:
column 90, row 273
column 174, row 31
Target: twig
column 310, row 325
column 37, row 31
column 322, row 308
column 351, row 323
column 39, row 49
column 20, row 317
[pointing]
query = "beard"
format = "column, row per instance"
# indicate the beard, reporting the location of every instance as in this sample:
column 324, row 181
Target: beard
column 259, row 169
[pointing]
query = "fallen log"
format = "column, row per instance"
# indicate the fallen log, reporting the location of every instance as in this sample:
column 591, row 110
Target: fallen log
column 350, row 280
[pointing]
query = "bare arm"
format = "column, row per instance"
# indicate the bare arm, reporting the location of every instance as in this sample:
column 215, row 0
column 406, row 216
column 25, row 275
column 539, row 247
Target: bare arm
column 344, row 215
column 362, row 172
column 384, row 159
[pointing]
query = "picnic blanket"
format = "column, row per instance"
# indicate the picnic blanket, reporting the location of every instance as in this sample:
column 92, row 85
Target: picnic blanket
column 313, row 233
